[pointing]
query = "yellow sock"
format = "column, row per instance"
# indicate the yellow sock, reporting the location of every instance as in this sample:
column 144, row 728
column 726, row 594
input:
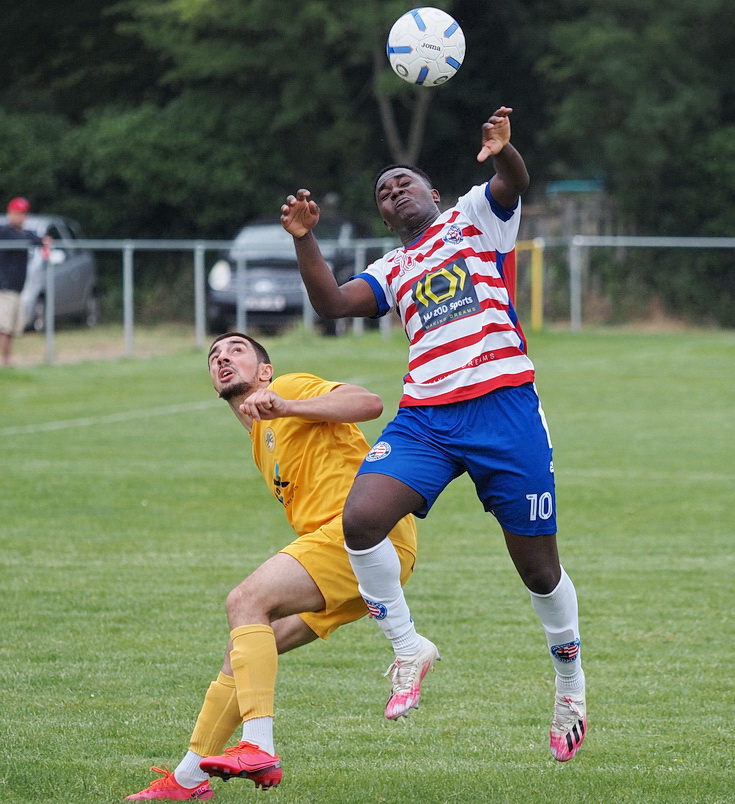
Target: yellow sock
column 254, row 660
column 218, row 718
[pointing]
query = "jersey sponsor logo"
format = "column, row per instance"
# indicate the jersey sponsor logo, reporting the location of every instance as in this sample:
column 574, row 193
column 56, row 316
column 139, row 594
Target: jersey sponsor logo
column 270, row 439
column 445, row 295
column 454, row 235
column 376, row 610
column 279, row 485
column 378, row 452
column 567, row 652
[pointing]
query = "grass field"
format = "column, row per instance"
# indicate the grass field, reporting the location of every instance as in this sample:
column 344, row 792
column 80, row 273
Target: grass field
column 129, row 506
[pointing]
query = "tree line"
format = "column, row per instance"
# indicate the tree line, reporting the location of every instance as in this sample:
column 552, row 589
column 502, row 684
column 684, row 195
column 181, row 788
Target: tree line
column 186, row 118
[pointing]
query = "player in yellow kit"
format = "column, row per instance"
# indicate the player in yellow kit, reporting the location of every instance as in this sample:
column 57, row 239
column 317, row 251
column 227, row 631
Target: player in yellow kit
column 308, row 448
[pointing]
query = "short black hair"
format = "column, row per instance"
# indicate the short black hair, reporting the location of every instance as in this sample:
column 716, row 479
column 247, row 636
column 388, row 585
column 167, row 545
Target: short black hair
column 260, row 351
column 417, row 170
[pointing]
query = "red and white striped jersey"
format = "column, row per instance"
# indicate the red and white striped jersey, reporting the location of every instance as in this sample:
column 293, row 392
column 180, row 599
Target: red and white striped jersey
column 449, row 288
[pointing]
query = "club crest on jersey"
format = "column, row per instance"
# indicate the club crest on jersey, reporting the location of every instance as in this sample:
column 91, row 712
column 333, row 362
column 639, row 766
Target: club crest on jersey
column 378, row 452
column 567, row 652
column 445, row 295
column 454, row 235
column 270, row 439
column 376, row 610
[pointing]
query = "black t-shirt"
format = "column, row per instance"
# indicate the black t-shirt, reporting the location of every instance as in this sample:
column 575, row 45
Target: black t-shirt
column 14, row 263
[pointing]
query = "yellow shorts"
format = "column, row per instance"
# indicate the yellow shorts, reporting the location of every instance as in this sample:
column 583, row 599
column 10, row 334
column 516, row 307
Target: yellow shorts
column 12, row 319
column 322, row 554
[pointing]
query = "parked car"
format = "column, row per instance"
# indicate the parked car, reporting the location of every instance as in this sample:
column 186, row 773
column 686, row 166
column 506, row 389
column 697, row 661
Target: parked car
column 76, row 293
column 273, row 291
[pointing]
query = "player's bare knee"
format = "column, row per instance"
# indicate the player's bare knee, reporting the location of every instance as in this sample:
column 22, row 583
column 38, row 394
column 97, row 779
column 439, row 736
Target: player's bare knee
column 541, row 579
column 244, row 603
column 361, row 530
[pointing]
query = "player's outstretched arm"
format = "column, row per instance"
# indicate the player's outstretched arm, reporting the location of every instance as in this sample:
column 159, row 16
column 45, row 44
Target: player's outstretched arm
column 299, row 216
column 345, row 403
column 511, row 177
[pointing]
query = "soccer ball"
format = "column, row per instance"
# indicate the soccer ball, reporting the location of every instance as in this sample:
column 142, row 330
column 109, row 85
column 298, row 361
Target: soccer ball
column 425, row 46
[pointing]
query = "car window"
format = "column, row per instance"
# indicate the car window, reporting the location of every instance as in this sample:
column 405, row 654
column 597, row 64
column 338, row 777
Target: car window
column 334, row 229
column 75, row 230
column 59, row 230
column 55, row 232
column 263, row 240
column 272, row 240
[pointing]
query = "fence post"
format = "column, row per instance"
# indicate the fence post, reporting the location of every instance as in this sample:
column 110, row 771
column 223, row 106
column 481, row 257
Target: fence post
column 50, row 310
column 308, row 315
column 241, row 310
column 358, row 324
column 537, row 284
column 128, row 327
column 200, row 302
column 575, row 283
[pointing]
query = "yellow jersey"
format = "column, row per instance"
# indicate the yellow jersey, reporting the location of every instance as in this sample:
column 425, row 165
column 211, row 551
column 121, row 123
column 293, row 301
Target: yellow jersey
column 308, row 465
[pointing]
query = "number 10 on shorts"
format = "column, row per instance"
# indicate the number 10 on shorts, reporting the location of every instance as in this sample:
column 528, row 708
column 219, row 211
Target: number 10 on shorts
column 542, row 507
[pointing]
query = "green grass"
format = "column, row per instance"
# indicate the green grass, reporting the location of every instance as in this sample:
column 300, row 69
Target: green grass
column 129, row 506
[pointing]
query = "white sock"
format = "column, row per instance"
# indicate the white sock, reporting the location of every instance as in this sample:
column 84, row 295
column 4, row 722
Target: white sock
column 559, row 617
column 188, row 773
column 378, row 573
column 259, row 730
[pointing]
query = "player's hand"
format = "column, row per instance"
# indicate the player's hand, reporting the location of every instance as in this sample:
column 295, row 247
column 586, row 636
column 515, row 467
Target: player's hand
column 495, row 134
column 299, row 215
column 264, row 404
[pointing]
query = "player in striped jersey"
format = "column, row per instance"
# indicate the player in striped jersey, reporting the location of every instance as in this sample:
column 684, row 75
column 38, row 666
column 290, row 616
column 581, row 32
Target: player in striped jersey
column 469, row 404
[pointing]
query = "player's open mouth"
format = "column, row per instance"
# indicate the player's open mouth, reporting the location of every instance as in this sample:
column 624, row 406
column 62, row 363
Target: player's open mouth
column 225, row 374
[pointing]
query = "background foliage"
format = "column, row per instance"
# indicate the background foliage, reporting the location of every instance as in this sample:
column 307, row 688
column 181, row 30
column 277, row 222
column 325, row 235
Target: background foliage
column 187, row 117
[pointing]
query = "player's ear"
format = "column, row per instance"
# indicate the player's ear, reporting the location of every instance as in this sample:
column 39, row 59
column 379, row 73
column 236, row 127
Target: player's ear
column 435, row 195
column 265, row 372
column 387, row 225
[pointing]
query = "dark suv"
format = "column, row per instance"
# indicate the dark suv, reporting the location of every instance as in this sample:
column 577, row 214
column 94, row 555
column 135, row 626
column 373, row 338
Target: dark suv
column 272, row 291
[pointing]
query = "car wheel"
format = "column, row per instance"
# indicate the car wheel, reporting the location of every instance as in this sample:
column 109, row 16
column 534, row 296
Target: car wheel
column 38, row 316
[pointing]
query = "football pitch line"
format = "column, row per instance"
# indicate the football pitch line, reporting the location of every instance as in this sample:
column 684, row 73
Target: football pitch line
column 111, row 418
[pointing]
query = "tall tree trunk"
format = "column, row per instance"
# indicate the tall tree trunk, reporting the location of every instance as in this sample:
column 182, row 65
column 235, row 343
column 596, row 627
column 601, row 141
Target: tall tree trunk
column 403, row 150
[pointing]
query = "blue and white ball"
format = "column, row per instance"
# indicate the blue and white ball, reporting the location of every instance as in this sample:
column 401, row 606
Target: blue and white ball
column 425, row 47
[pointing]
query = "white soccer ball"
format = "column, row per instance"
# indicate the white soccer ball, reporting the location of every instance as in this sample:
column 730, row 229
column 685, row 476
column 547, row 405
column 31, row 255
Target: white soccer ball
column 425, row 46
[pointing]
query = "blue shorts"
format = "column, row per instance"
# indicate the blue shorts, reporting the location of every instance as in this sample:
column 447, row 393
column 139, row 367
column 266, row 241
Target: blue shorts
column 500, row 440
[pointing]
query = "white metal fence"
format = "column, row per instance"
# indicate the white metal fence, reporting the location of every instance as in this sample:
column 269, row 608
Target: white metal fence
column 580, row 245
column 578, row 248
column 198, row 249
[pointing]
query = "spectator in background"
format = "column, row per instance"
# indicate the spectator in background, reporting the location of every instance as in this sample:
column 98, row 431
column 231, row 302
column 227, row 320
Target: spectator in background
column 13, row 269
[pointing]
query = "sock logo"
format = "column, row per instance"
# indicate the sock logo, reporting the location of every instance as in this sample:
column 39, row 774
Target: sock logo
column 376, row 610
column 567, row 652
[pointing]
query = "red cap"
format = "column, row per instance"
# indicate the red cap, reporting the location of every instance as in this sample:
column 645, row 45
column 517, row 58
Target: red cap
column 18, row 205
